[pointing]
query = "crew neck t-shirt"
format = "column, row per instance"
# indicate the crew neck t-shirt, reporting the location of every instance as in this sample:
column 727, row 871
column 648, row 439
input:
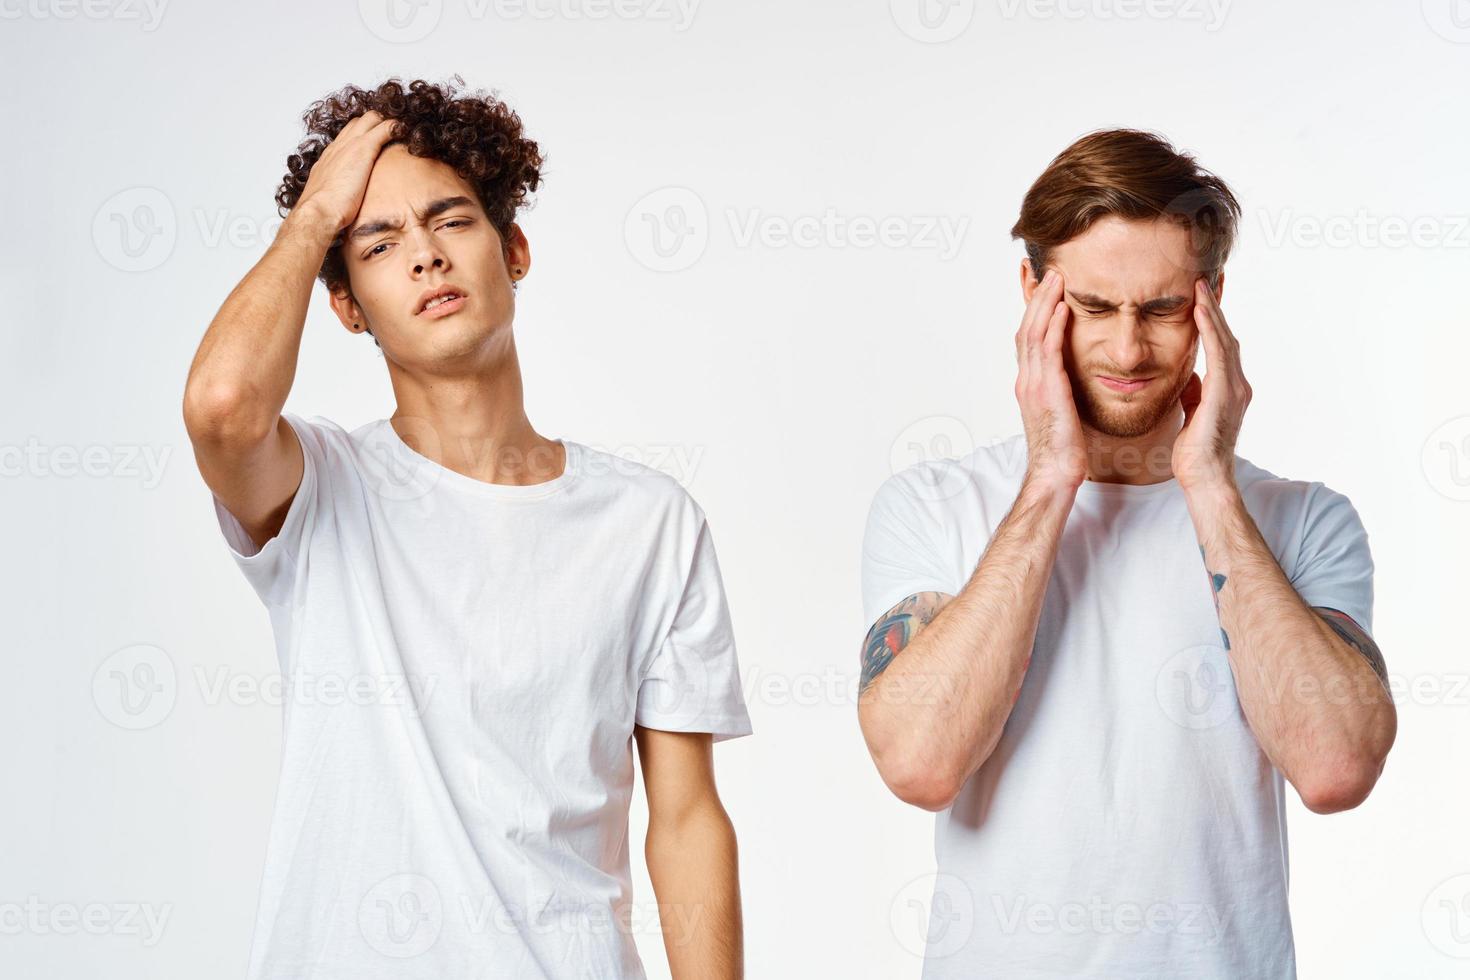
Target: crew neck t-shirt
column 464, row 663
column 1128, row 823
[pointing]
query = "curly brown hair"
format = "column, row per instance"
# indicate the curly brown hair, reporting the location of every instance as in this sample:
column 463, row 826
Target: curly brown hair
column 473, row 132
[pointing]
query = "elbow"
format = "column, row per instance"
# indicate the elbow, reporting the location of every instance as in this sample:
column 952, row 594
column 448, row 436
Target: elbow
column 926, row 769
column 221, row 413
column 929, row 794
column 918, row 780
column 1340, row 788
column 1345, row 781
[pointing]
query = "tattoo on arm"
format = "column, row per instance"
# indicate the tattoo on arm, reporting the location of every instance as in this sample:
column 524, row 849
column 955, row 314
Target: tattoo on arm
column 1217, row 582
column 894, row 630
column 1356, row 637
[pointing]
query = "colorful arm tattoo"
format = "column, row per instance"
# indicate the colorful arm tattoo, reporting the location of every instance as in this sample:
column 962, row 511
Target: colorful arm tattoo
column 1356, row 637
column 894, row 630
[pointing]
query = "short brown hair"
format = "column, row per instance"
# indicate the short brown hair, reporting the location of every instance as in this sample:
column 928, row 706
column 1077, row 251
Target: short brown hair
column 1135, row 175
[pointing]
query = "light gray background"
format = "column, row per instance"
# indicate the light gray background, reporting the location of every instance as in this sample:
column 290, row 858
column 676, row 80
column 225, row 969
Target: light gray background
column 781, row 381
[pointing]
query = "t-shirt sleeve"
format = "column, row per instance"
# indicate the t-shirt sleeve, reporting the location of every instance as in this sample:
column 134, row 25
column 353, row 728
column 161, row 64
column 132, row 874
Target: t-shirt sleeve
column 901, row 556
column 1334, row 565
column 271, row 568
column 692, row 682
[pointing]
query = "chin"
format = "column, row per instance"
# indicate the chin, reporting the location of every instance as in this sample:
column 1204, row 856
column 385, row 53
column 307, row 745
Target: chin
column 1101, row 409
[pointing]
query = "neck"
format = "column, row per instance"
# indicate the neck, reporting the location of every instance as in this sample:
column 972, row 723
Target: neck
column 1136, row 460
column 475, row 423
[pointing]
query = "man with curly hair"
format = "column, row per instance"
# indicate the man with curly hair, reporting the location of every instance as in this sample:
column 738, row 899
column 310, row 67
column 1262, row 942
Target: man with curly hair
column 475, row 622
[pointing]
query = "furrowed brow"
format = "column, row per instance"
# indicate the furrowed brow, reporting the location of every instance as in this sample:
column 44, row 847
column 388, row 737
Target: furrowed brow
column 1165, row 303
column 432, row 210
column 1092, row 302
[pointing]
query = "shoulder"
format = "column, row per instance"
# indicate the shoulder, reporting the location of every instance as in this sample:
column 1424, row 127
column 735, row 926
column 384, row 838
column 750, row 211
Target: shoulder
column 954, row 485
column 1285, row 498
column 630, row 482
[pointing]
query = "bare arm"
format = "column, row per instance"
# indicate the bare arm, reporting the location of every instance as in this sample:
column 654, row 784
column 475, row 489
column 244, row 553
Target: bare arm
column 241, row 375
column 691, row 856
column 1312, row 687
column 1311, row 682
column 247, row 453
column 933, row 715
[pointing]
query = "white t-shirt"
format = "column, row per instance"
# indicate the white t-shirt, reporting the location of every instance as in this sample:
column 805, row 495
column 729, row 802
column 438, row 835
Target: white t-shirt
column 465, row 663
column 1128, row 823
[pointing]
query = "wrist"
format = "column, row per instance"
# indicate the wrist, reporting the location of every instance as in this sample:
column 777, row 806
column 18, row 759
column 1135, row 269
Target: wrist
column 307, row 226
column 1047, row 493
column 1212, row 497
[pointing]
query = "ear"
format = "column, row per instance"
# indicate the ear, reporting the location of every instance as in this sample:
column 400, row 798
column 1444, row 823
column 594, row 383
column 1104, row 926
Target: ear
column 1028, row 280
column 517, row 253
column 348, row 312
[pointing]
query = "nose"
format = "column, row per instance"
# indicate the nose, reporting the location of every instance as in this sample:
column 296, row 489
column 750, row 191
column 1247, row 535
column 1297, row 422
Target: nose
column 426, row 254
column 1127, row 346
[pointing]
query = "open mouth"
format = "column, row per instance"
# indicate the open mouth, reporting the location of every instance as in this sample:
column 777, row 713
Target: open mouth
column 441, row 302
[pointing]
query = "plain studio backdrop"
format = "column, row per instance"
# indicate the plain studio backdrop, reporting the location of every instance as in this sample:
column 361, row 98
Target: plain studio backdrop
column 771, row 257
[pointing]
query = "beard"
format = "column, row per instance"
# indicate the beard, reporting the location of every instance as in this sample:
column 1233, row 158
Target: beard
column 1131, row 415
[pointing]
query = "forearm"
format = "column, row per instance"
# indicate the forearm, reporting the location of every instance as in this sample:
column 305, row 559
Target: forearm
column 246, row 362
column 936, row 712
column 1320, row 712
column 693, row 864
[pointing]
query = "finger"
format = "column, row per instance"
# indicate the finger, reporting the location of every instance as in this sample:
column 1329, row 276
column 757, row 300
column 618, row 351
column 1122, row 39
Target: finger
column 1217, row 316
column 384, row 130
column 1215, row 360
column 1046, row 358
column 1046, row 298
column 1034, row 311
column 1222, row 351
column 1056, row 332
